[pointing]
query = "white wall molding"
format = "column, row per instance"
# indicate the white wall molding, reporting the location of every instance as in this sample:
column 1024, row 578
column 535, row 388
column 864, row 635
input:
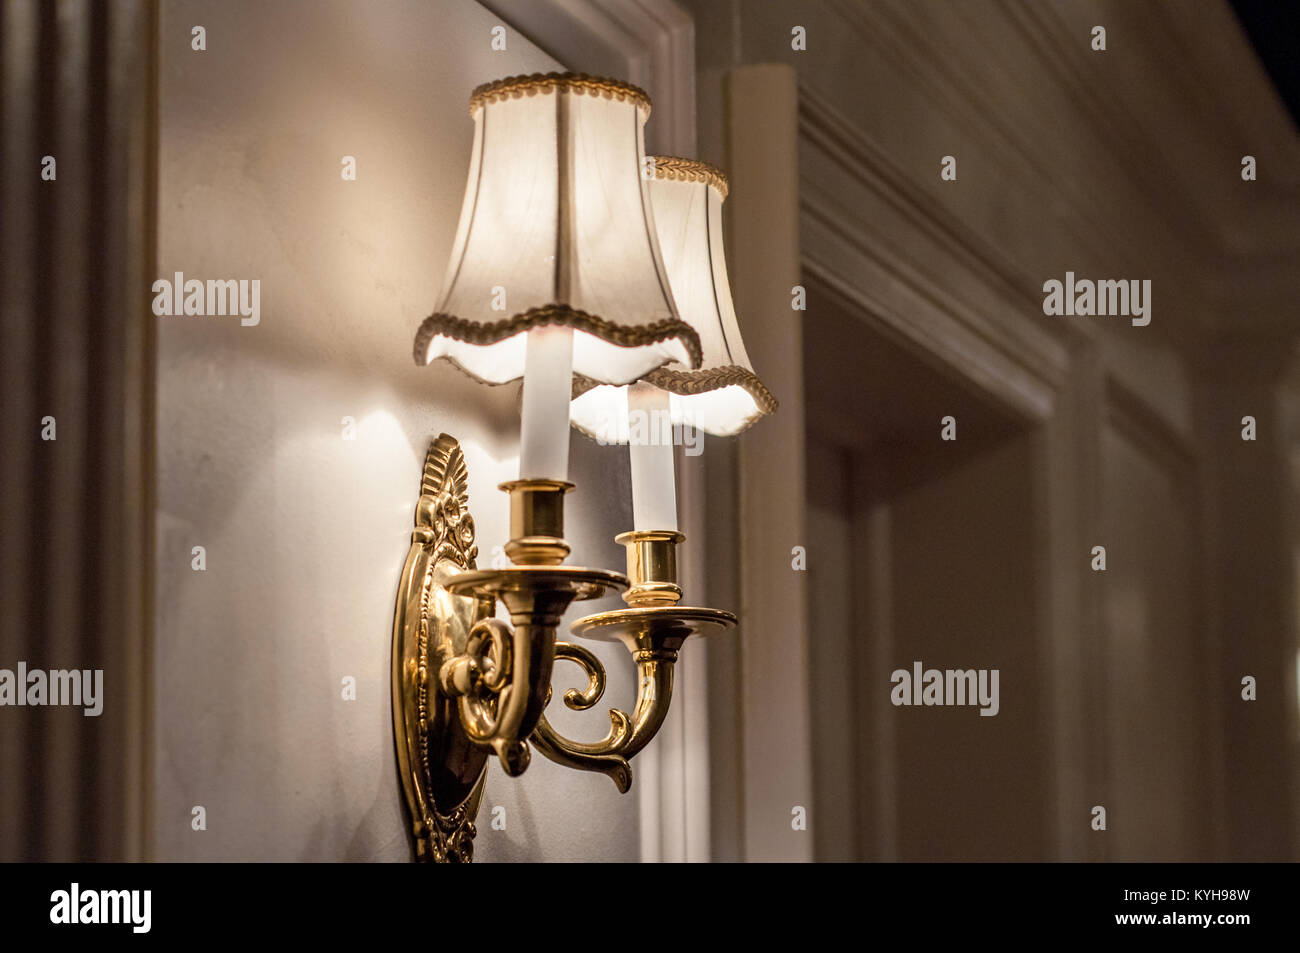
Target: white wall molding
column 1136, row 163
column 938, row 74
column 763, row 237
column 983, row 330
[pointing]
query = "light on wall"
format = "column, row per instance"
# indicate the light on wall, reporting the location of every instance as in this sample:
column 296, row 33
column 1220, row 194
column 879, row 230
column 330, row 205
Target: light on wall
column 590, row 273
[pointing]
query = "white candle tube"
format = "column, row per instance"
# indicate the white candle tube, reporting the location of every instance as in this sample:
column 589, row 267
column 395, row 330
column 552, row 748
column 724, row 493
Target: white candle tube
column 548, row 386
column 650, row 445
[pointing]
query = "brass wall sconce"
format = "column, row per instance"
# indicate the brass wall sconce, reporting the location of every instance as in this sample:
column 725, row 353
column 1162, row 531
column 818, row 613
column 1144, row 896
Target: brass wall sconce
column 623, row 308
column 466, row 685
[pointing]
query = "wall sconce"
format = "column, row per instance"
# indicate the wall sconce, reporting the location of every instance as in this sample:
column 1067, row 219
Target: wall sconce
column 613, row 277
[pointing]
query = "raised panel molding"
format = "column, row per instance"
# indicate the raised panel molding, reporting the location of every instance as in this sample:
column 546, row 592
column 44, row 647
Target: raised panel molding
column 1026, row 143
column 882, row 239
column 973, row 318
column 1013, row 85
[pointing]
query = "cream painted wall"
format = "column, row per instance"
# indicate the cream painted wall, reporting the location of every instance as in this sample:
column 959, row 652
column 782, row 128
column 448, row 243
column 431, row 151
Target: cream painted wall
column 305, row 532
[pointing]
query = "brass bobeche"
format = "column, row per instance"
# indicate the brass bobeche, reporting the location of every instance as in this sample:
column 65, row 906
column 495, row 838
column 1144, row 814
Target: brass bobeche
column 466, row 684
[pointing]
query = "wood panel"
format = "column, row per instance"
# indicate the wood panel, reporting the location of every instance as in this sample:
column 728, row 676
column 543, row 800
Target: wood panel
column 75, row 555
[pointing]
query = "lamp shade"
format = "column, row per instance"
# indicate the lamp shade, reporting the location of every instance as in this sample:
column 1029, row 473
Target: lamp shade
column 557, row 230
column 722, row 396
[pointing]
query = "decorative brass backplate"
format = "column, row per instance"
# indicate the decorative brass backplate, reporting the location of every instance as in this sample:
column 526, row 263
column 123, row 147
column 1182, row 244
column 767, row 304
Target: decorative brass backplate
column 442, row 772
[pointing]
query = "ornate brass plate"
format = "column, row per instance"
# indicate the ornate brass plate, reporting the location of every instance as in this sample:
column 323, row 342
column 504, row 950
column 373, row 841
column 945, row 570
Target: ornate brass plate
column 442, row 773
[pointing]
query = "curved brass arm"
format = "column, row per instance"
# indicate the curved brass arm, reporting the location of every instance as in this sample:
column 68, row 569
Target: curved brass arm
column 562, row 751
column 627, row 736
column 653, row 695
column 491, row 682
column 653, row 635
column 502, row 681
column 603, row 756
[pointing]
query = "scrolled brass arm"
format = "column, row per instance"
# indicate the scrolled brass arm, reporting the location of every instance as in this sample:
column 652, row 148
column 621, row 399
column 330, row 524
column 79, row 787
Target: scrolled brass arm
column 627, row 736
column 653, row 629
column 586, row 660
column 568, row 754
column 603, row 756
column 501, row 679
column 490, row 682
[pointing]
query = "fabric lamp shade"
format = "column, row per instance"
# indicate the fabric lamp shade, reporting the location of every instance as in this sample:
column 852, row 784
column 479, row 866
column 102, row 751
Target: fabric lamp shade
column 722, row 396
column 557, row 230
